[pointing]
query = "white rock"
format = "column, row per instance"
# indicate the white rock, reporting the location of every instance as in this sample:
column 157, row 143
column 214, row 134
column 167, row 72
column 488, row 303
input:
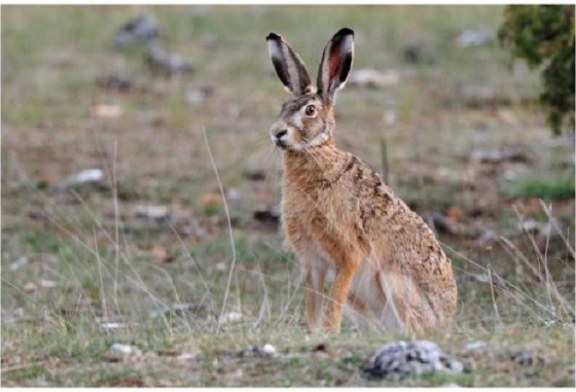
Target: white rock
column 124, row 349
column 476, row 346
column 373, row 78
column 85, row 176
column 268, row 349
column 230, row 317
column 19, row 263
column 152, row 212
column 186, row 356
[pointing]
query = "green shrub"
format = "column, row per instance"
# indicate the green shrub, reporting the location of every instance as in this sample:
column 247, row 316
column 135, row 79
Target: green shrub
column 543, row 35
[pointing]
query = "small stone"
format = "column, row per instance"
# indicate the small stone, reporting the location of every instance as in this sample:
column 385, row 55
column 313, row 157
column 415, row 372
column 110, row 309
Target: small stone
column 476, row 346
column 373, row 79
column 266, row 350
column 48, row 284
column 526, row 358
column 124, row 349
column 230, row 317
column 29, row 288
column 84, row 177
column 186, row 356
column 110, row 326
column 474, row 38
column 103, row 110
column 19, row 263
column 152, row 212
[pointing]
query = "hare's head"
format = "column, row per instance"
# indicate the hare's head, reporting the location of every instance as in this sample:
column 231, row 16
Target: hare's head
column 307, row 121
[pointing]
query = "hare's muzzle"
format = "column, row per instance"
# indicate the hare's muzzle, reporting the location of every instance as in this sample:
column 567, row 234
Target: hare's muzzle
column 280, row 137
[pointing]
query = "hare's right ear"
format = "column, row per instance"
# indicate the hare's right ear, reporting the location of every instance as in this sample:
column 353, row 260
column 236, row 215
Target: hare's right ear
column 289, row 66
column 335, row 64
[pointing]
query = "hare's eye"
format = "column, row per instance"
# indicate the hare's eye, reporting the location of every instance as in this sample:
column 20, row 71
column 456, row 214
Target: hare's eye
column 310, row 110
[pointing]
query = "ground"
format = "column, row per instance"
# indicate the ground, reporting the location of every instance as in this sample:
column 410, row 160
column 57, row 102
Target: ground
column 176, row 251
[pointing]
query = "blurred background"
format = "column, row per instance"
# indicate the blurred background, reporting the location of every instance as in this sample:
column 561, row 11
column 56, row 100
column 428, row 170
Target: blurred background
column 118, row 122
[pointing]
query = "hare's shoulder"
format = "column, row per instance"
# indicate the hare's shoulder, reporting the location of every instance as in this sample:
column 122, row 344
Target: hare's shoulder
column 363, row 183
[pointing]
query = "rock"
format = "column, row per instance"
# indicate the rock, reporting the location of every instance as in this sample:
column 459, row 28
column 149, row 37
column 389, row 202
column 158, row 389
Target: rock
column 186, row 356
column 111, row 326
column 33, row 258
column 160, row 60
column 402, row 359
column 476, row 346
column 230, row 317
column 527, row 358
column 140, row 29
column 543, row 229
column 103, row 110
column 530, row 226
column 267, row 215
column 416, row 54
column 373, row 79
column 474, row 38
column 443, row 224
column 152, row 212
column 29, row 288
column 266, row 350
column 114, row 82
column 199, row 96
column 178, row 310
column 48, row 284
column 84, row 177
column 123, row 349
column 488, row 237
column 498, row 156
column 19, row 263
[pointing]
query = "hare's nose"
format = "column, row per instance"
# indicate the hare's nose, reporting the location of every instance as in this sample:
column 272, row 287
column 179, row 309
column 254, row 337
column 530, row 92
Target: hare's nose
column 280, row 138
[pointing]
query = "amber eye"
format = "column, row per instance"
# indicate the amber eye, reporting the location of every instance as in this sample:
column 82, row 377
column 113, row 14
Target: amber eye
column 310, row 110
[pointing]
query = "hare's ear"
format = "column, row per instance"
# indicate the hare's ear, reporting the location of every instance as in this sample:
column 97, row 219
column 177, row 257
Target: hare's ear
column 289, row 66
column 335, row 64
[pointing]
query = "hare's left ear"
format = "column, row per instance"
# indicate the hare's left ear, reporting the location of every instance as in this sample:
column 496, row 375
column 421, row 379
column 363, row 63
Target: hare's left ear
column 289, row 67
column 335, row 64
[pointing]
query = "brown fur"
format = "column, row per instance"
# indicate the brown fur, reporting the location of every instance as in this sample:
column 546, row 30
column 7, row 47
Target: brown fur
column 339, row 216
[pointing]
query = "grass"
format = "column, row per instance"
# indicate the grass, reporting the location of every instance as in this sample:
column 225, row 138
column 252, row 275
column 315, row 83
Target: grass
column 75, row 262
column 558, row 188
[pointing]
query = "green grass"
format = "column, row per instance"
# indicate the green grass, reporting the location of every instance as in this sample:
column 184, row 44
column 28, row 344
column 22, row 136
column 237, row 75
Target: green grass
column 91, row 260
column 556, row 188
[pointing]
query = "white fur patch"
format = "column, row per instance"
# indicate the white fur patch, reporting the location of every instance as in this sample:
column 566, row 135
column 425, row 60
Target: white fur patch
column 316, row 141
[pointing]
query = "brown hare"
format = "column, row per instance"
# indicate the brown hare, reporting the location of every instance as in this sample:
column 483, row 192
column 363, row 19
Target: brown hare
column 341, row 218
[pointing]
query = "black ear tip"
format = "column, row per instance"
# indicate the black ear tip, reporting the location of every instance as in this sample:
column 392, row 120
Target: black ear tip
column 344, row 31
column 272, row 36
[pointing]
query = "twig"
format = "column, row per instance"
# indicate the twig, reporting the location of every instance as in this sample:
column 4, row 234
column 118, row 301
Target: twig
column 384, row 158
column 230, row 231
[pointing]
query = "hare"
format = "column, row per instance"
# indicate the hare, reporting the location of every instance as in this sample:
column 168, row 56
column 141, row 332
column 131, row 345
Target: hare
column 340, row 218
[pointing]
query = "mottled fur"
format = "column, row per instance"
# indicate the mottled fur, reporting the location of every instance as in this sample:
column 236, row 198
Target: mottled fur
column 341, row 218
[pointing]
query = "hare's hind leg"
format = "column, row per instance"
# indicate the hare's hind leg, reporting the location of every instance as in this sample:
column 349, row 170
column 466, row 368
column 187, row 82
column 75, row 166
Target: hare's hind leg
column 359, row 312
column 392, row 315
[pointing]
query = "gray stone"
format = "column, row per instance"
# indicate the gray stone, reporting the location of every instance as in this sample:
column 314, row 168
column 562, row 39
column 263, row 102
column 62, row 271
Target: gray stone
column 401, row 359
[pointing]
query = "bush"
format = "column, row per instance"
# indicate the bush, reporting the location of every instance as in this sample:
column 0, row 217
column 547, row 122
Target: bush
column 543, row 35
